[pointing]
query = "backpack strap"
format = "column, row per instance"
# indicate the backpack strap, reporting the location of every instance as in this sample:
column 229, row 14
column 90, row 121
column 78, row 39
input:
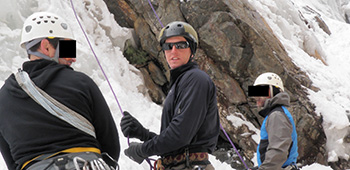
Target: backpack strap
column 53, row 106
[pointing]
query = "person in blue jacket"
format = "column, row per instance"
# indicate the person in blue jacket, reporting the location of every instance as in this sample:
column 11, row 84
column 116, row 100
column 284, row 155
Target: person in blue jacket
column 278, row 147
column 190, row 122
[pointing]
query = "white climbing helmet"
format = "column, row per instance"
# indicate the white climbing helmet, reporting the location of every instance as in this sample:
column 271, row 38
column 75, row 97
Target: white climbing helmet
column 42, row 25
column 269, row 79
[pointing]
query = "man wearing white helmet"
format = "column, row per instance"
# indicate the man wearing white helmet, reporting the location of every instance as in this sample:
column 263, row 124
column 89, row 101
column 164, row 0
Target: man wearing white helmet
column 40, row 36
column 278, row 147
column 31, row 136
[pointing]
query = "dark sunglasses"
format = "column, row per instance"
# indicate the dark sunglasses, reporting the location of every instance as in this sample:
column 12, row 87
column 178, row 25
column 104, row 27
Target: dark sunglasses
column 178, row 45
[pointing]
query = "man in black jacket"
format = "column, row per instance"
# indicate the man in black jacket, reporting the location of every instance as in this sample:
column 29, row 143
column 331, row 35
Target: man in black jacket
column 31, row 137
column 190, row 121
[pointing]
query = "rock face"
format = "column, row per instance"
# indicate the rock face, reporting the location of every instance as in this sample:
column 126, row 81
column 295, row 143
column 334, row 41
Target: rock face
column 235, row 46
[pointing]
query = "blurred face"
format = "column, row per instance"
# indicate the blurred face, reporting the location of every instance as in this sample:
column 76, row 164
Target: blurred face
column 48, row 49
column 67, row 61
column 177, row 57
column 260, row 101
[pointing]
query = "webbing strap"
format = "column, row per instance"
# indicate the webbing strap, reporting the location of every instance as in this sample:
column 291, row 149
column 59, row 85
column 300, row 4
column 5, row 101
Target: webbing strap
column 70, row 150
column 53, row 106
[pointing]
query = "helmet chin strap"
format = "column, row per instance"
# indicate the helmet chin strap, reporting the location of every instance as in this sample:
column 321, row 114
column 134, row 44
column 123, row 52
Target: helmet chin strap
column 39, row 54
column 191, row 57
column 271, row 91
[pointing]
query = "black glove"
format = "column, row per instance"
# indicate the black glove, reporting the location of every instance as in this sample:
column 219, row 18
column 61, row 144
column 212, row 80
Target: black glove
column 254, row 168
column 133, row 128
column 134, row 152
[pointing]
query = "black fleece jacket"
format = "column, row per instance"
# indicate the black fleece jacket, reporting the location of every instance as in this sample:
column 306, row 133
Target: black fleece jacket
column 190, row 115
column 28, row 130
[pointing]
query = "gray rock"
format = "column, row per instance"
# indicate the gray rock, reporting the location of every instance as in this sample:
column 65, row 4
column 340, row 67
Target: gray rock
column 235, row 46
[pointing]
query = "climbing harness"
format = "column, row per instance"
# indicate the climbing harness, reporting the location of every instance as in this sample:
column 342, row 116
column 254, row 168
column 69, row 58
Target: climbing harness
column 291, row 167
column 186, row 159
column 50, row 161
column 76, row 161
column 148, row 160
column 66, row 151
column 220, row 124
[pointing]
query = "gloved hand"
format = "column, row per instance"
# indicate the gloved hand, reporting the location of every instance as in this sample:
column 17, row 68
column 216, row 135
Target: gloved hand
column 133, row 128
column 134, row 152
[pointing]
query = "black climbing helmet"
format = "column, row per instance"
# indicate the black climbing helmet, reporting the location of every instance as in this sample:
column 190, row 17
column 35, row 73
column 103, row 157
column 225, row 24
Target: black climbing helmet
column 179, row 28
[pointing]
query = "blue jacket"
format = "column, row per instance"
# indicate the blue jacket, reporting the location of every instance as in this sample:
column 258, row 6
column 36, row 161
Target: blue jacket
column 278, row 145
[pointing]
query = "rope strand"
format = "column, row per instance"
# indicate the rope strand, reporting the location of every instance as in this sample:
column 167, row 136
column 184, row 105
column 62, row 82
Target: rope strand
column 115, row 96
column 98, row 61
column 104, row 74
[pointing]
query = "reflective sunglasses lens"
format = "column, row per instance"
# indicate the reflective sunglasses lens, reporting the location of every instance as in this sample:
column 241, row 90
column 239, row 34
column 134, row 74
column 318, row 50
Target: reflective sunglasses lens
column 167, row 46
column 178, row 45
column 181, row 45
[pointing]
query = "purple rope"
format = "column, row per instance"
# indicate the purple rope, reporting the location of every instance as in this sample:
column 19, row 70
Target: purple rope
column 110, row 86
column 220, row 124
column 148, row 160
column 233, row 146
column 155, row 13
column 98, row 61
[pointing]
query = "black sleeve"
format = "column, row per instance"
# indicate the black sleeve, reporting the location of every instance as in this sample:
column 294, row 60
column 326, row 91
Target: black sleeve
column 6, row 154
column 190, row 112
column 106, row 130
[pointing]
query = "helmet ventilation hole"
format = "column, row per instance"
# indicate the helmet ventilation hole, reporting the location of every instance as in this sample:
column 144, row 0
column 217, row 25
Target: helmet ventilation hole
column 64, row 26
column 44, row 24
column 28, row 28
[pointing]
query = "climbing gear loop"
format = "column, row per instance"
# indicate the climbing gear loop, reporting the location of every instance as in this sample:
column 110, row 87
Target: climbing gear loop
column 73, row 161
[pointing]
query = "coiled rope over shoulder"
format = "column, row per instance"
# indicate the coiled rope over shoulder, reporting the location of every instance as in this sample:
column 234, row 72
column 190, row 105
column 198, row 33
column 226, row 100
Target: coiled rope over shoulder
column 53, row 106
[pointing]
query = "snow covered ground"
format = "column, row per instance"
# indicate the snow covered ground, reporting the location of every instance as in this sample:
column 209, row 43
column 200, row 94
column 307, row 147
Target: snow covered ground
column 107, row 38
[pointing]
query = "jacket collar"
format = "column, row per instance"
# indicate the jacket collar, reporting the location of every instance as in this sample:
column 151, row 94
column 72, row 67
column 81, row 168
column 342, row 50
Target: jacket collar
column 175, row 73
column 41, row 73
column 281, row 99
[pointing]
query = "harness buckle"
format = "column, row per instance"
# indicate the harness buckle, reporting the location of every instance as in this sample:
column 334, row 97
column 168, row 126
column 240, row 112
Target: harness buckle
column 187, row 155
